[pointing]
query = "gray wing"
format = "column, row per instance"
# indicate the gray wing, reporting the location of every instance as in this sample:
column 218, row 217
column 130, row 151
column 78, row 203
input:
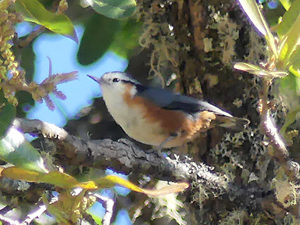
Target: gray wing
column 171, row 101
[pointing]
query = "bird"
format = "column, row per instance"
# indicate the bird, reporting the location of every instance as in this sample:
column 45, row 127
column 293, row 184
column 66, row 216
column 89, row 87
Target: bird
column 159, row 117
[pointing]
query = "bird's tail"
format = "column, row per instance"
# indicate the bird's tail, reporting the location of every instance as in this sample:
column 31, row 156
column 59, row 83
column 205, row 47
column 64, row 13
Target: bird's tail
column 233, row 123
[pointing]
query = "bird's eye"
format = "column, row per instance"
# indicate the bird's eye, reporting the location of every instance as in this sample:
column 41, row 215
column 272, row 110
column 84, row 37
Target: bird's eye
column 116, row 80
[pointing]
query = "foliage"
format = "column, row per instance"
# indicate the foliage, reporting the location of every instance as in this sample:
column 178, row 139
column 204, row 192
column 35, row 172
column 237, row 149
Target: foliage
column 117, row 9
column 118, row 35
column 66, row 181
column 35, row 12
column 16, row 150
column 7, row 114
column 284, row 53
column 90, row 50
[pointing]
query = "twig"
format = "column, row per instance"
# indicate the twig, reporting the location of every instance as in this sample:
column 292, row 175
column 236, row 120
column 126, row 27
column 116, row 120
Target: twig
column 108, row 204
column 30, row 37
column 36, row 126
column 280, row 152
column 37, row 212
column 8, row 220
column 63, row 6
column 5, row 209
column 88, row 218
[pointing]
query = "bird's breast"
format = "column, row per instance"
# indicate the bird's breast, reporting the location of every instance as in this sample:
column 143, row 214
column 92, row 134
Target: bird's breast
column 151, row 124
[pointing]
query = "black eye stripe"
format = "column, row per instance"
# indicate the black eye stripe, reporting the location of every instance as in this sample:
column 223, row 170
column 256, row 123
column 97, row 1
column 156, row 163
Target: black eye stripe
column 139, row 87
column 128, row 82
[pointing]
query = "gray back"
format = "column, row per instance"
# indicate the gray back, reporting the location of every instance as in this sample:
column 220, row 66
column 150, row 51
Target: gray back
column 171, row 101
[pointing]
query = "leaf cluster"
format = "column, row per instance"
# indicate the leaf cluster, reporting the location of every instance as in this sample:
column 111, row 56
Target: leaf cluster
column 283, row 54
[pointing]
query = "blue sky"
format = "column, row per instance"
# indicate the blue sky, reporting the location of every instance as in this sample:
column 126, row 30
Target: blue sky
column 62, row 52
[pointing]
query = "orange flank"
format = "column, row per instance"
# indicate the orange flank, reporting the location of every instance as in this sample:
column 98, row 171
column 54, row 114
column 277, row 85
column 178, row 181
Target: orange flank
column 171, row 121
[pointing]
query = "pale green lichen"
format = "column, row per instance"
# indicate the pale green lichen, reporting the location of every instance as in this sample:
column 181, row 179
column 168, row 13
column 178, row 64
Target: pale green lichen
column 228, row 32
column 207, row 44
column 168, row 206
column 238, row 160
column 285, row 193
column 255, row 54
column 236, row 217
column 237, row 102
column 211, row 79
column 159, row 35
column 199, row 196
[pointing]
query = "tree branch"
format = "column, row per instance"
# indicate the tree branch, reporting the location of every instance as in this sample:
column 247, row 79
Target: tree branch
column 36, row 213
column 124, row 156
column 108, row 205
column 8, row 220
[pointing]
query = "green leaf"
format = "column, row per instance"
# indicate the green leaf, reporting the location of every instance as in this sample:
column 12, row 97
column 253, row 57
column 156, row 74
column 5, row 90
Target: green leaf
column 20, row 174
column 289, row 91
column 126, row 40
column 110, row 180
column 115, row 9
column 25, row 103
column 289, row 33
column 96, row 218
column 97, row 38
column 7, row 114
column 295, row 62
column 16, row 150
column 256, row 70
column 56, row 178
column 25, row 100
column 289, row 43
column 247, row 67
column 289, row 19
column 28, row 56
column 286, row 4
column 295, row 71
column 273, row 15
column 35, row 12
column 290, row 118
column 255, row 16
column 253, row 12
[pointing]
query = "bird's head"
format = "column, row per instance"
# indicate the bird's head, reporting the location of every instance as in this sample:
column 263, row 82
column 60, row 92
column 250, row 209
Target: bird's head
column 116, row 83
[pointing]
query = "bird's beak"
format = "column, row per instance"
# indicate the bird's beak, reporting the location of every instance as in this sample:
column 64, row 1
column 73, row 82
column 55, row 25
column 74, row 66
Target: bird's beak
column 94, row 78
